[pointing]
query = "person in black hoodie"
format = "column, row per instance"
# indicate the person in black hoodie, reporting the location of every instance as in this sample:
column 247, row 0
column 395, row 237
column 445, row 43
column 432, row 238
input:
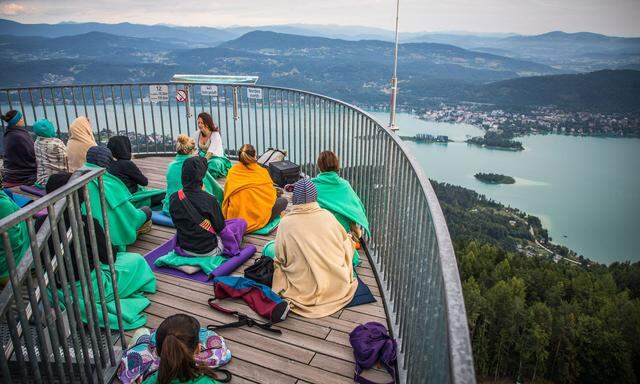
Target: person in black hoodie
column 198, row 225
column 125, row 169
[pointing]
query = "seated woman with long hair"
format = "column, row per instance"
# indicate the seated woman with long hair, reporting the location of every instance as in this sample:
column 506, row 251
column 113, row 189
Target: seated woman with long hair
column 125, row 220
column 313, row 265
column 178, row 341
column 249, row 192
column 209, row 144
column 51, row 153
column 19, row 163
column 80, row 140
column 185, row 148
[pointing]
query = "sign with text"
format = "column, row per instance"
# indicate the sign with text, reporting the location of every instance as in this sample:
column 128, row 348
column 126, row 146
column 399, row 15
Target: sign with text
column 254, row 93
column 158, row 93
column 209, row 90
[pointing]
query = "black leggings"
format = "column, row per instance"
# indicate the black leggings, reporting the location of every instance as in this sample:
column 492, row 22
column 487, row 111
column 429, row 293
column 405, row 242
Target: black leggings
column 147, row 211
column 279, row 207
column 157, row 200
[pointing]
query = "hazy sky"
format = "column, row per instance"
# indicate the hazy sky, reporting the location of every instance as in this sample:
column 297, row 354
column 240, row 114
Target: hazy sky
column 613, row 17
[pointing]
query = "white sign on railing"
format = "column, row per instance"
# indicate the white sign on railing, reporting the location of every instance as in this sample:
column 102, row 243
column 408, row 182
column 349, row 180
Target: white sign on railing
column 254, row 93
column 209, row 90
column 158, row 93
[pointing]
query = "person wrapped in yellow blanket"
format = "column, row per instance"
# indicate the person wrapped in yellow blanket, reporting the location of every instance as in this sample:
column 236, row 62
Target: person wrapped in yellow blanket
column 249, row 192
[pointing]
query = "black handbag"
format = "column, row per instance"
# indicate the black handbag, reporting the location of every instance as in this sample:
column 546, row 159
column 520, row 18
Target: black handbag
column 261, row 271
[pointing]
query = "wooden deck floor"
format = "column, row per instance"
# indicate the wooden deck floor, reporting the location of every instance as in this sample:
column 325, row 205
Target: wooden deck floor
column 309, row 350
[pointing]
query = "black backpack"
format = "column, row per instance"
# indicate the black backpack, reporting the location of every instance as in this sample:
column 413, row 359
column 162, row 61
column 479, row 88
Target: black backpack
column 261, row 271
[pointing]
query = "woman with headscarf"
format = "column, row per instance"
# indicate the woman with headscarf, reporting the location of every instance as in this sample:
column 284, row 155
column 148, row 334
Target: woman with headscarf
column 19, row 157
column 125, row 220
column 249, row 192
column 126, row 170
column 313, row 264
column 80, row 140
column 209, row 143
column 18, row 236
column 51, row 153
column 185, row 148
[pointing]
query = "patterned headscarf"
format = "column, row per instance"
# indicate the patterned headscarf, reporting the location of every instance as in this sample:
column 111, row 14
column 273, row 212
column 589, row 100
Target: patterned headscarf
column 304, row 192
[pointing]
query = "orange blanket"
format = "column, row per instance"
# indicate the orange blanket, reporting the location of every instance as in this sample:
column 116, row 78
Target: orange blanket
column 249, row 194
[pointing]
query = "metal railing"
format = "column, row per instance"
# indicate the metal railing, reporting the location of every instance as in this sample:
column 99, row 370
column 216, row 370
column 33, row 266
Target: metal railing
column 412, row 253
column 44, row 338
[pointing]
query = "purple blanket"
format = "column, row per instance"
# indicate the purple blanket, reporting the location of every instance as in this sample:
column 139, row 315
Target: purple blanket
column 32, row 189
column 225, row 269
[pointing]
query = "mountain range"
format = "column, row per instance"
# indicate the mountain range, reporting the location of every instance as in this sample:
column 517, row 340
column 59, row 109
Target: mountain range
column 353, row 70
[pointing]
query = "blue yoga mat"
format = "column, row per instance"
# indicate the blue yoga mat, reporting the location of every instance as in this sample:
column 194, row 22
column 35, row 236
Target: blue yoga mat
column 363, row 295
column 20, row 200
column 159, row 218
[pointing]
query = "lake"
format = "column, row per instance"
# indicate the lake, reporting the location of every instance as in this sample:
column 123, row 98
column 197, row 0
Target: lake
column 586, row 190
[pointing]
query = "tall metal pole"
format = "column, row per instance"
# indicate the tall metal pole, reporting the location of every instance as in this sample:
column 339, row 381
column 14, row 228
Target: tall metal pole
column 394, row 79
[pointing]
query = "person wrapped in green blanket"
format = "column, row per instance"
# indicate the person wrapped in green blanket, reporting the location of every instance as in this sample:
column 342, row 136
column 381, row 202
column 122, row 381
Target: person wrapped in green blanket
column 209, row 144
column 185, row 148
column 134, row 278
column 18, row 236
column 127, row 171
column 336, row 195
column 125, row 220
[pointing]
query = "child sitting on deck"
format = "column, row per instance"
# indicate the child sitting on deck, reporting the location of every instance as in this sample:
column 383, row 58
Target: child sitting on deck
column 185, row 148
column 125, row 220
column 190, row 206
column 126, row 170
column 249, row 192
column 51, row 153
column 313, row 267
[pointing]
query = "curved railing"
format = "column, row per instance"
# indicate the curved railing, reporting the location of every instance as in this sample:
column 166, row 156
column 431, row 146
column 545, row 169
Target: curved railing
column 410, row 247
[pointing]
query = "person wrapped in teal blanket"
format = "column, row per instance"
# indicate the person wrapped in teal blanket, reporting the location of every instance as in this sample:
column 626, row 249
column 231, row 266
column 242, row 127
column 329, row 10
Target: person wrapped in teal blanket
column 185, row 148
column 134, row 278
column 125, row 220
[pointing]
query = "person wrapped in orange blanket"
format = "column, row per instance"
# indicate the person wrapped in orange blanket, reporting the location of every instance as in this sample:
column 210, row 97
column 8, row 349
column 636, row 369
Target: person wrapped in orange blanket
column 249, row 192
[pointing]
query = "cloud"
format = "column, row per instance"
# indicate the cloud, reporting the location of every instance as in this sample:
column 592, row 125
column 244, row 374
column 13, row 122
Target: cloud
column 11, row 9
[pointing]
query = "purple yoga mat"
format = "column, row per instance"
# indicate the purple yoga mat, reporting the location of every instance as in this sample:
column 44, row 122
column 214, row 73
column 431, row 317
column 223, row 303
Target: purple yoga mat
column 201, row 277
column 234, row 262
column 33, row 190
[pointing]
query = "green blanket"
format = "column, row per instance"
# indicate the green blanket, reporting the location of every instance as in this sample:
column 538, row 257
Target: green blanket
column 124, row 218
column 207, row 263
column 142, row 198
column 174, row 182
column 218, row 166
column 134, row 278
column 18, row 236
column 267, row 229
column 335, row 194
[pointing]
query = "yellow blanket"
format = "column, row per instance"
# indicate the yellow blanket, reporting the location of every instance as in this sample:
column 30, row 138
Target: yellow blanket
column 249, row 194
column 313, row 265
